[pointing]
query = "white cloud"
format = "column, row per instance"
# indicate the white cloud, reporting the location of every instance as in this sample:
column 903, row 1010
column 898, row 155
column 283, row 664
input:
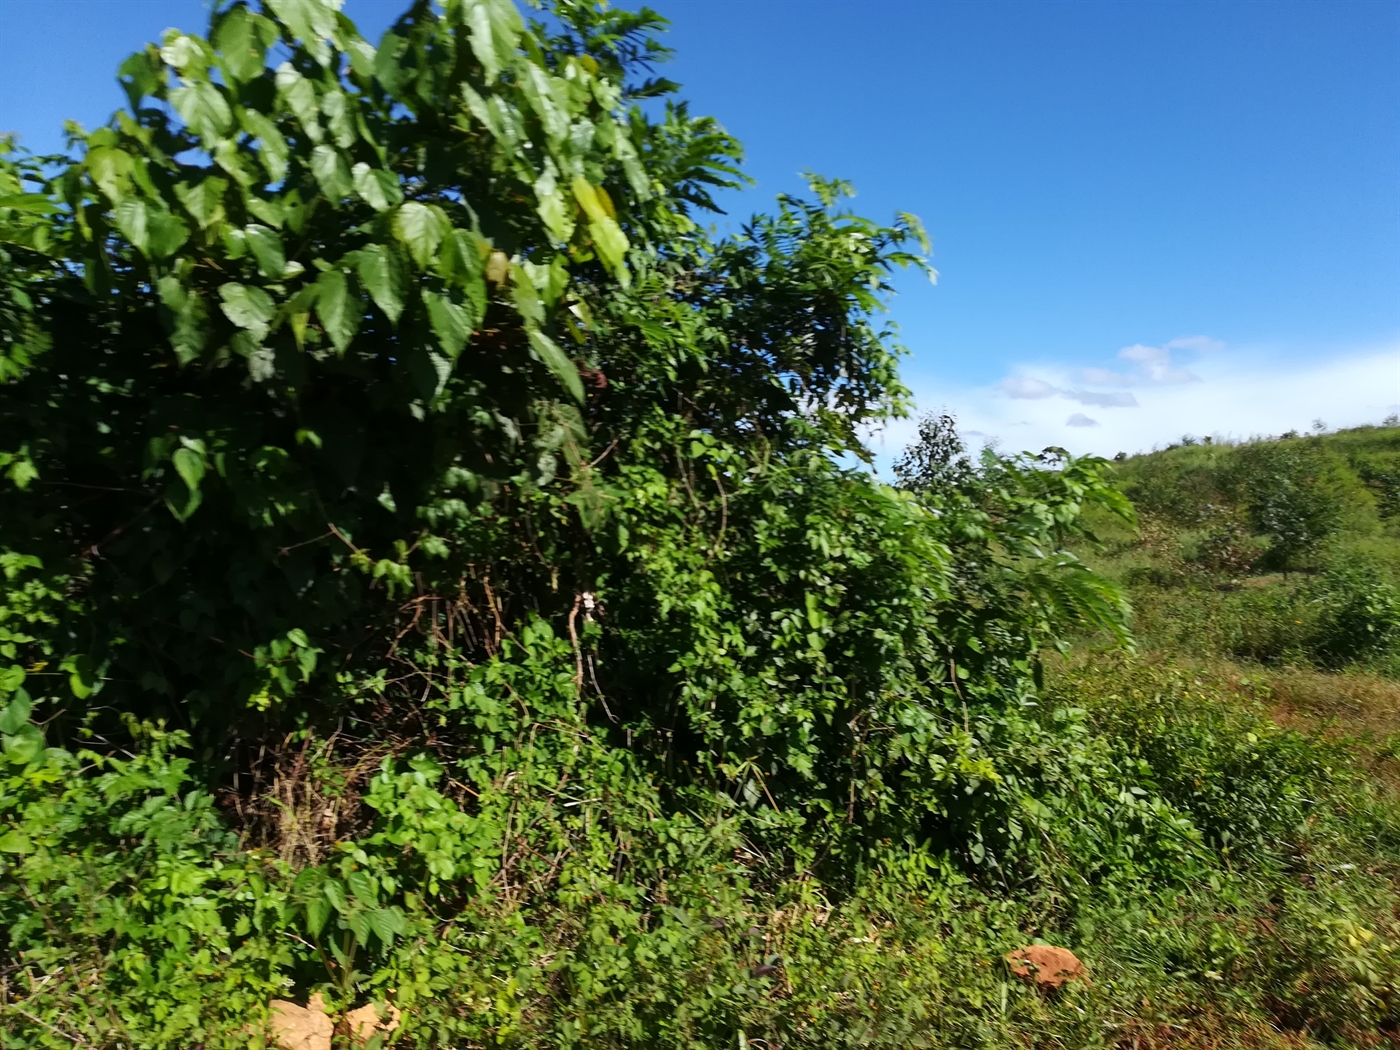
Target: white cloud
column 1156, row 361
column 1202, row 344
column 1102, row 400
column 1240, row 394
column 1079, row 419
column 1026, row 389
column 1103, row 377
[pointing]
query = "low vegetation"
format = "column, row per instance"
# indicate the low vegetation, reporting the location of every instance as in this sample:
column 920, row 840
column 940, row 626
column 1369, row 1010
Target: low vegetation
column 433, row 577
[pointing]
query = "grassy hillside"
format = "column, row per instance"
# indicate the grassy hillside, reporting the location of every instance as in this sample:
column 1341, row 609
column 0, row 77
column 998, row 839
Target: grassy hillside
column 1277, row 564
column 1264, row 690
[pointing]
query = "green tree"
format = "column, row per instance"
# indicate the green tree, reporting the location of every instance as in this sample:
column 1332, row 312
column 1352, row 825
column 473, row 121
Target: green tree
column 1286, row 497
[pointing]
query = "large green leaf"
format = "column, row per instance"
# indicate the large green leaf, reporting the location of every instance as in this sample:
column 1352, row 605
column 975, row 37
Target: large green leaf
column 189, row 464
column 312, row 21
column 267, row 249
column 421, row 229
column 249, row 308
column 150, row 228
column 450, row 322
column 33, row 203
column 204, row 109
column 300, row 96
column 332, row 172
column 338, row 308
column 382, row 272
column 377, row 188
column 272, row 147
column 24, row 745
column 495, row 30
column 558, row 363
column 16, row 713
column 111, row 169
column 243, row 38
column 204, row 200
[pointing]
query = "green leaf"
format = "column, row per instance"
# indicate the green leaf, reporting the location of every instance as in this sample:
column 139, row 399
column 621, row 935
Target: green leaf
column 249, row 308
column 387, row 923
column 189, row 464
column 450, row 322
column 269, row 212
column 558, row 363
column 273, row 150
column 377, row 188
column 318, row 910
column 242, row 38
column 16, row 713
column 204, row 200
column 111, row 169
column 338, row 308
column 15, row 841
column 607, row 235
column 334, row 891
column 151, row 229
column 311, row 21
column 381, row 271
column 26, row 744
column 141, row 75
column 300, row 97
column 495, row 30
column 32, row 203
column 340, row 117
column 267, row 249
column 612, row 246
column 82, row 679
column 204, row 110
column 12, row 677
column 459, row 262
column 331, row 172
column 421, row 229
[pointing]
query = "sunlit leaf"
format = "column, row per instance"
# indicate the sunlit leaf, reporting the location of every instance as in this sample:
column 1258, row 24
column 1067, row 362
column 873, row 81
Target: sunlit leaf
column 332, row 172
column 267, row 249
column 382, row 273
column 421, row 229
column 249, row 308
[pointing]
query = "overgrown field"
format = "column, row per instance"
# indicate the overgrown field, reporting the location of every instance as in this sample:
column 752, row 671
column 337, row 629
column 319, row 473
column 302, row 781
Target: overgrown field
column 432, row 576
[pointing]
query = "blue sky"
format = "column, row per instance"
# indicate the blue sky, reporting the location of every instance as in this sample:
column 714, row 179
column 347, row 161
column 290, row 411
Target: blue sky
column 1149, row 218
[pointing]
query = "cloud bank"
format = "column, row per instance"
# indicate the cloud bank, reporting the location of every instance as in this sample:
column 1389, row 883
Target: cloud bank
column 1154, row 395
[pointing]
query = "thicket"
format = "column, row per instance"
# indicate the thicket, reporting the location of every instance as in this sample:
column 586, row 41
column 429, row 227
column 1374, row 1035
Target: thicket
column 432, row 577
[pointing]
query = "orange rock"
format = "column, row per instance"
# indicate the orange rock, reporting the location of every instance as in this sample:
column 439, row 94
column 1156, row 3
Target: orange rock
column 1050, row 968
column 367, row 1021
column 300, row 1027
